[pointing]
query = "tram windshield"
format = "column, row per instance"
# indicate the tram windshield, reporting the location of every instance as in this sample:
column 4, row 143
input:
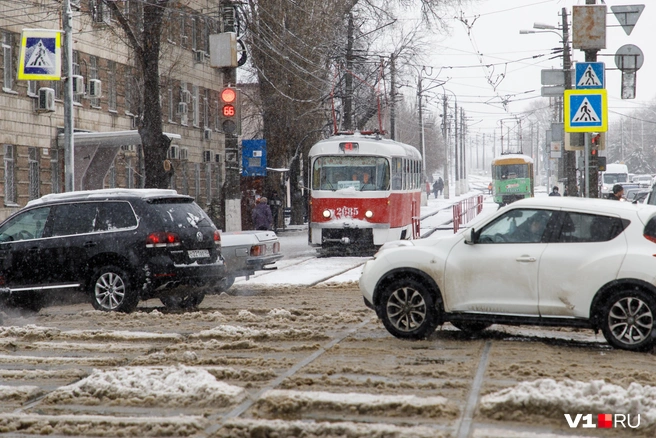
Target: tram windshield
column 511, row 171
column 343, row 172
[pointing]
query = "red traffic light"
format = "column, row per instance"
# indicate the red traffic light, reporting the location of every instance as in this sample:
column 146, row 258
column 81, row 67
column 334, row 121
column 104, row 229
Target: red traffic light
column 228, row 110
column 228, row 95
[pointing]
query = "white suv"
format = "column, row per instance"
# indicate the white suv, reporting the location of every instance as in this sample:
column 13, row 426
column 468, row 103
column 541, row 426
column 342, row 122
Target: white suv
column 554, row 261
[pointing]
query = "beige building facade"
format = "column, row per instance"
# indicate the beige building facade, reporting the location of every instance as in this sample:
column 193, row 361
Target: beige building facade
column 31, row 136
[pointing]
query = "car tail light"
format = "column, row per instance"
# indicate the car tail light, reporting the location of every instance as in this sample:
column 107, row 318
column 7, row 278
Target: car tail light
column 258, row 250
column 162, row 240
column 276, row 247
column 650, row 238
column 217, row 238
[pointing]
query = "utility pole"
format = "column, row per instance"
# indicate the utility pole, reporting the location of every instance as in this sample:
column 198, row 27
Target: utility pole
column 421, row 129
column 393, row 97
column 447, row 145
column 69, row 151
column 348, row 80
column 569, row 156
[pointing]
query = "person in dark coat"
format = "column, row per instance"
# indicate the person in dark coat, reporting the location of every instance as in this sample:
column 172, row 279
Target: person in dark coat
column 438, row 186
column 618, row 192
column 261, row 214
column 554, row 191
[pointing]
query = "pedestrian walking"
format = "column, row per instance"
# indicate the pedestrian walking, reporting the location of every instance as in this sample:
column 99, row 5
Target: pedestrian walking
column 261, row 215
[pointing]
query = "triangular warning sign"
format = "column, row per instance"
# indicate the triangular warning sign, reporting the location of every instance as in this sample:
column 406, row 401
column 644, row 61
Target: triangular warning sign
column 585, row 113
column 39, row 56
column 589, row 78
column 627, row 16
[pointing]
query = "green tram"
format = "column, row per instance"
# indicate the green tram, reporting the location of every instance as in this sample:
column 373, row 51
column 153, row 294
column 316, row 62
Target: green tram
column 512, row 178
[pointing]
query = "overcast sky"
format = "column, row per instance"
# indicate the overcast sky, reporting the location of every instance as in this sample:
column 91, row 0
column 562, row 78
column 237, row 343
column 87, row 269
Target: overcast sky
column 488, row 61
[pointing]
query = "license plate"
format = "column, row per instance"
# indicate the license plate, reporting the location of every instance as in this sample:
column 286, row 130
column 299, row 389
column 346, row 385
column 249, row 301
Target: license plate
column 198, row 253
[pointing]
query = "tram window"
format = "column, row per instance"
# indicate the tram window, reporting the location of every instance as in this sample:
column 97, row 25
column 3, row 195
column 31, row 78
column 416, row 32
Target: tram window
column 340, row 172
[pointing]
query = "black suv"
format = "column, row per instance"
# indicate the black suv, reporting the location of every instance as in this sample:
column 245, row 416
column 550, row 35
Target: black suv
column 118, row 245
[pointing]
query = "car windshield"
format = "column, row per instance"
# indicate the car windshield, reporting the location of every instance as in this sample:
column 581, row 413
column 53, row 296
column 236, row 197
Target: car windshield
column 614, row 178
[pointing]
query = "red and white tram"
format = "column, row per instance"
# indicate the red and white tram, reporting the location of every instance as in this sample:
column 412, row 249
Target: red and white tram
column 364, row 191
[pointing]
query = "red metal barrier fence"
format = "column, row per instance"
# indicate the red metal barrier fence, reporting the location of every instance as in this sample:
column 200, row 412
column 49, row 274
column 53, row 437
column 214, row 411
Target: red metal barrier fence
column 466, row 210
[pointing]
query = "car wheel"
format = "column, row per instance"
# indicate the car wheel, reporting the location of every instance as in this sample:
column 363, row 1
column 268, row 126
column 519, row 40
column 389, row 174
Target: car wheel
column 628, row 320
column 111, row 291
column 225, row 283
column 470, row 327
column 183, row 302
column 408, row 309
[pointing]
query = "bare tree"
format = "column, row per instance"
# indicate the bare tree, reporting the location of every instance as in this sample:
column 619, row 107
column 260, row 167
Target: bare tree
column 300, row 50
column 142, row 29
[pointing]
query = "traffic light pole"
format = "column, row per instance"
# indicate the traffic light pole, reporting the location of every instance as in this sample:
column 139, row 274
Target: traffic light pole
column 591, row 166
column 231, row 185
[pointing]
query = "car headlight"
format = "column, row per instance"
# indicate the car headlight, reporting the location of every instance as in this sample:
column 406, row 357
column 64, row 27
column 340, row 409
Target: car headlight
column 369, row 214
column 326, row 214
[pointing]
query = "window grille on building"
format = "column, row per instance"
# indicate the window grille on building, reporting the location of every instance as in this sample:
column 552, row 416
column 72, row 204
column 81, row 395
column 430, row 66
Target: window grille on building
column 10, row 175
column 34, row 171
column 111, row 85
column 93, row 74
column 8, row 80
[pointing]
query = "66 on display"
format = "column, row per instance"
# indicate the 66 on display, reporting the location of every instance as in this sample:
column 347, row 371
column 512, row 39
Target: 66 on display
column 364, row 191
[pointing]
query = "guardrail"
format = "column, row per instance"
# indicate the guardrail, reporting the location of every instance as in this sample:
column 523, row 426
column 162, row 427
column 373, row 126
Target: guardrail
column 466, row 210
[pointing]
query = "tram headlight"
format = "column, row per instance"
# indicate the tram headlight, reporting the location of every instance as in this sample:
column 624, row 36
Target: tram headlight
column 368, row 214
column 326, row 214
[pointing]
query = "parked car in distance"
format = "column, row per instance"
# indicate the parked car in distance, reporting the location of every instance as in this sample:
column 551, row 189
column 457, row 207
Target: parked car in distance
column 636, row 194
column 246, row 252
column 644, row 180
column 119, row 246
column 556, row 261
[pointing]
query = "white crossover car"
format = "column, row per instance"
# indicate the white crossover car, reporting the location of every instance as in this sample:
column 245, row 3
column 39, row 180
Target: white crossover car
column 552, row 261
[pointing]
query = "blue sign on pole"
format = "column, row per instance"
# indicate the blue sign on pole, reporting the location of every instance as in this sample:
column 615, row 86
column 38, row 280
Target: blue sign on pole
column 590, row 75
column 586, row 111
column 253, row 157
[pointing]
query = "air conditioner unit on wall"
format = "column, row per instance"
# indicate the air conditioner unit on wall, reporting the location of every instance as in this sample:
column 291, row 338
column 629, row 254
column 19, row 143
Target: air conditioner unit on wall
column 182, row 108
column 94, row 88
column 207, row 134
column 78, row 84
column 174, row 153
column 46, row 101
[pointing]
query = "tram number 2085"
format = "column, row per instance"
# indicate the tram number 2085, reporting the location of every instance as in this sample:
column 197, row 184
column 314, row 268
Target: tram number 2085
column 346, row 212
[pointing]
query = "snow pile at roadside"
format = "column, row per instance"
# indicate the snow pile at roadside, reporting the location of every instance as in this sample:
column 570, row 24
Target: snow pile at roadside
column 552, row 399
column 149, row 386
column 287, row 402
column 19, row 393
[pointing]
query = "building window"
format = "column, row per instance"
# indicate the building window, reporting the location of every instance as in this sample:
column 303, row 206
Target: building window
column 76, row 71
column 32, row 88
column 194, row 34
column 111, row 85
column 169, row 29
column 54, row 171
column 128, row 90
column 184, row 98
column 8, row 81
column 206, row 110
column 171, row 105
column 10, row 175
column 93, row 74
column 195, row 104
column 34, row 180
column 208, row 182
column 183, row 35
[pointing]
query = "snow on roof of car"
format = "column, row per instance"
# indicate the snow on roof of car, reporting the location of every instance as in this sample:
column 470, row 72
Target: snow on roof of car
column 585, row 204
column 103, row 193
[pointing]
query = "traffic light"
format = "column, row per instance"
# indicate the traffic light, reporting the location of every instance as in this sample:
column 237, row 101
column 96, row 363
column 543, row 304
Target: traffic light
column 598, row 140
column 229, row 111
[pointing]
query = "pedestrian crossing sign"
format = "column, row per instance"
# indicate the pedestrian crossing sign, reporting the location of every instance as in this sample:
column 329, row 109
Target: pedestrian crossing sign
column 40, row 55
column 590, row 75
column 586, row 111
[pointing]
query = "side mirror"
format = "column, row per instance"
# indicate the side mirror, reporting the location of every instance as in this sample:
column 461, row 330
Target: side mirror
column 470, row 236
